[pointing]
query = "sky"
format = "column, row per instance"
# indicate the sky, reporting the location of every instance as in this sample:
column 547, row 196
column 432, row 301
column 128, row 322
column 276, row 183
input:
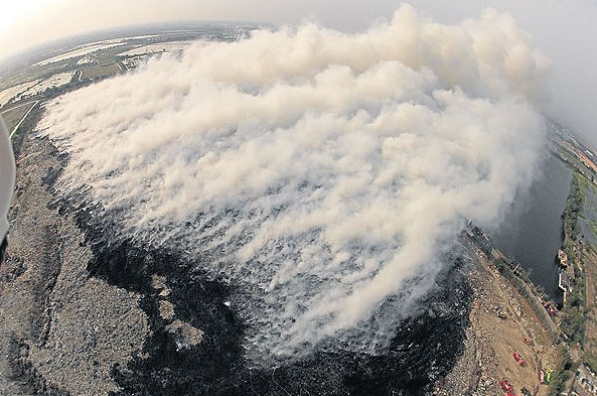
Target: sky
column 565, row 30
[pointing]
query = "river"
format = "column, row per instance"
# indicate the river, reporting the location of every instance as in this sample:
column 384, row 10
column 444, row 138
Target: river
column 532, row 228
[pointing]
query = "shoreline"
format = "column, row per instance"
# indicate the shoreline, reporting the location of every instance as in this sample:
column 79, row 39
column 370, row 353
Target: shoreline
column 568, row 357
column 506, row 318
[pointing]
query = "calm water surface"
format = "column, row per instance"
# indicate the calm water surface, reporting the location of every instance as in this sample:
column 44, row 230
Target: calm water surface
column 532, row 229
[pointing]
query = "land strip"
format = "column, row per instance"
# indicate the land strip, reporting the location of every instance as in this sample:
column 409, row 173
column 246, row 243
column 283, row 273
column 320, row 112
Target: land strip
column 506, row 318
column 61, row 332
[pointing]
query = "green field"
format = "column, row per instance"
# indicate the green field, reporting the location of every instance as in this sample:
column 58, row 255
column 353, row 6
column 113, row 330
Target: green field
column 101, row 71
column 13, row 116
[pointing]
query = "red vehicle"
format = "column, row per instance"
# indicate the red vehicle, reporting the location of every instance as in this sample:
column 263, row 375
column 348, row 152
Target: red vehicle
column 506, row 387
column 519, row 359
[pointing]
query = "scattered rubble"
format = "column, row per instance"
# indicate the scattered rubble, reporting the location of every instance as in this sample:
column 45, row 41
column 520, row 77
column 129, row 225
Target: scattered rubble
column 71, row 329
column 502, row 326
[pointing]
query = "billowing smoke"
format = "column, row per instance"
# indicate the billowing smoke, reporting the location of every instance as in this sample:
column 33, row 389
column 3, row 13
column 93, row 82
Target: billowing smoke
column 322, row 173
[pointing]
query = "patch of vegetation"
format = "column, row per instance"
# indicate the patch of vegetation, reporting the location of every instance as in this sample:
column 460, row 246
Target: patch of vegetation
column 573, row 210
column 563, row 373
column 13, row 116
column 573, row 323
column 574, row 316
column 591, row 362
column 593, row 226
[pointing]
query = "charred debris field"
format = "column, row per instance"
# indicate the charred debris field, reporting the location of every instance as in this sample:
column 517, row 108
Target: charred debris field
column 422, row 351
column 183, row 336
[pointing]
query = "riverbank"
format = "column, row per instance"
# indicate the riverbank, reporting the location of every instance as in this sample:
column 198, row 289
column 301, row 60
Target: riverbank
column 506, row 317
column 579, row 318
column 531, row 231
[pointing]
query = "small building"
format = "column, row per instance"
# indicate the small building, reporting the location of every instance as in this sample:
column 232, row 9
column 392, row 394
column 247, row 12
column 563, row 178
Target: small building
column 563, row 258
column 550, row 307
column 564, row 282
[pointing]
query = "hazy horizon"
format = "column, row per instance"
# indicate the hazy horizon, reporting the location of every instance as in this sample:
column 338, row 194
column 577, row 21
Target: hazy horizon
column 565, row 31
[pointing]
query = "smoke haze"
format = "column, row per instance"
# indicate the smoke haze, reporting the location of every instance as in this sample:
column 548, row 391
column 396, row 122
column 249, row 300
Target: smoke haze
column 323, row 173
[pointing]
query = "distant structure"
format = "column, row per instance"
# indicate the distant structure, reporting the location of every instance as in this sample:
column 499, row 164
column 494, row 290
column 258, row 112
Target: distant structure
column 476, row 235
column 583, row 154
column 564, row 282
column 563, row 258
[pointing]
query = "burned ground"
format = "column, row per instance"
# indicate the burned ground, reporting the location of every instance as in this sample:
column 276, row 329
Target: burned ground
column 94, row 323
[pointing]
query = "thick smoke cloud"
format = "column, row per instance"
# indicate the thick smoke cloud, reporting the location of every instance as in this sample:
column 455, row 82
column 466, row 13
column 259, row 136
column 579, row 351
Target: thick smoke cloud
column 322, row 172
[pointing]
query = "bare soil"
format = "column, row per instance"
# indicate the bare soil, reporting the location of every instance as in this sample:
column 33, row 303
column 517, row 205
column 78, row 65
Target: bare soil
column 13, row 116
column 501, row 323
column 61, row 331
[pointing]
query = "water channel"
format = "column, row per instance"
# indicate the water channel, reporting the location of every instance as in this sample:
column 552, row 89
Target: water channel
column 532, row 228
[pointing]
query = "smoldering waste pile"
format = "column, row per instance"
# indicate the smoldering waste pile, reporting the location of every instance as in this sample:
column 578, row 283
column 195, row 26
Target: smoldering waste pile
column 300, row 192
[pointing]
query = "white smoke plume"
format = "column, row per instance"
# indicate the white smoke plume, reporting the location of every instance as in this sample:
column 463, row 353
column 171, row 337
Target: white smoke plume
column 322, row 172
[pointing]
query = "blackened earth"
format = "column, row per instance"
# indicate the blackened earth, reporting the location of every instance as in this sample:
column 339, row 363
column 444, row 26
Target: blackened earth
column 423, row 349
